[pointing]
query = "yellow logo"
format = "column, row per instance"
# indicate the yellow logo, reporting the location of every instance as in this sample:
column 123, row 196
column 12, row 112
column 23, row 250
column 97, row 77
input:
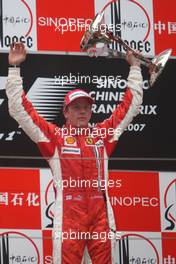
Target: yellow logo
column 89, row 141
column 70, row 140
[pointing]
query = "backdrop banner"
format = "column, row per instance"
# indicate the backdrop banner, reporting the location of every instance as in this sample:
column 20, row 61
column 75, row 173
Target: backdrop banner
column 149, row 236
column 47, row 78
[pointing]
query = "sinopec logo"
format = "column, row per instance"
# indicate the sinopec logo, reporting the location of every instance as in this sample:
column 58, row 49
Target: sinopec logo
column 17, row 247
column 170, row 205
column 131, row 20
column 16, row 23
column 50, row 196
column 136, row 248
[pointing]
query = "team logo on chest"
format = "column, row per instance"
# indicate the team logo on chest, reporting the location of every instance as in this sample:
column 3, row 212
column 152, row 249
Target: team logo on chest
column 70, row 141
column 89, row 141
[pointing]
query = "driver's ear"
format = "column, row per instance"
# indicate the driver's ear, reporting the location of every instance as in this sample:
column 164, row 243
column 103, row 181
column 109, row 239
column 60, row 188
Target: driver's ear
column 65, row 112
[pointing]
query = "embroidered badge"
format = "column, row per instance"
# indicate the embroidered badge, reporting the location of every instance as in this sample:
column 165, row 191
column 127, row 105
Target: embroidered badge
column 70, row 141
column 89, row 141
column 67, row 150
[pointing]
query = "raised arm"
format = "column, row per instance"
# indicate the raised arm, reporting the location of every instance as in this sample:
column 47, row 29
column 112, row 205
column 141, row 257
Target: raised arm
column 129, row 107
column 19, row 107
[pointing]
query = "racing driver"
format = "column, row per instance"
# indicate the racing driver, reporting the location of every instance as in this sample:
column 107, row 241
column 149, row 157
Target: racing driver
column 79, row 156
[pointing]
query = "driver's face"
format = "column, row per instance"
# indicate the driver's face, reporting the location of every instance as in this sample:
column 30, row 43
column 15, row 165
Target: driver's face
column 78, row 113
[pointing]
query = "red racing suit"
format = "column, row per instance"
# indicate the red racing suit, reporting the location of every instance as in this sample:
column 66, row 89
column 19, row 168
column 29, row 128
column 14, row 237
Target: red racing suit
column 86, row 208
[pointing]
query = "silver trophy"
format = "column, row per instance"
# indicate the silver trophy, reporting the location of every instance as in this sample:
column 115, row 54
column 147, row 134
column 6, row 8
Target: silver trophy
column 99, row 33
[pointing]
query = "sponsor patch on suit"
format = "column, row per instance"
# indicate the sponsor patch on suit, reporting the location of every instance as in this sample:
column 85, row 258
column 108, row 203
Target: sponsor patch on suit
column 89, row 141
column 67, row 150
column 70, row 141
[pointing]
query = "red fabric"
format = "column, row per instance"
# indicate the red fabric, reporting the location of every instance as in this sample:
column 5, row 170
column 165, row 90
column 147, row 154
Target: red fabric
column 84, row 207
column 84, row 217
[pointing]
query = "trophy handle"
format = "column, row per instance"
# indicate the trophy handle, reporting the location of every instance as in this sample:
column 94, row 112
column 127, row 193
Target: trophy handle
column 160, row 61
